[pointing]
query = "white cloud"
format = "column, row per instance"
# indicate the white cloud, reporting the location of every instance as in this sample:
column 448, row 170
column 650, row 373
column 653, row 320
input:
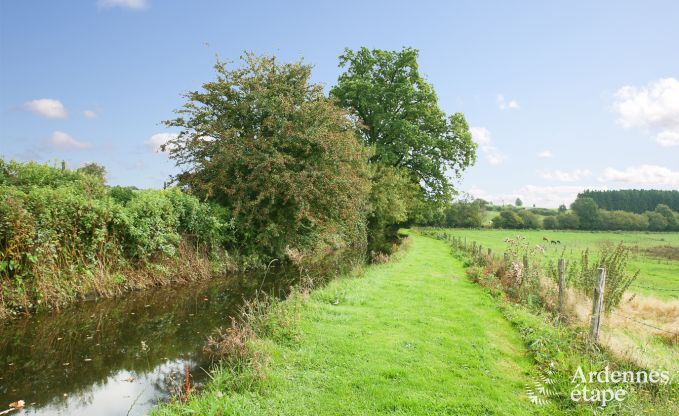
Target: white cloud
column 128, row 4
column 643, row 175
column 482, row 136
column 47, row 107
column 504, row 104
column 90, row 114
column 64, row 141
column 545, row 154
column 541, row 196
column 654, row 107
column 561, row 176
column 154, row 142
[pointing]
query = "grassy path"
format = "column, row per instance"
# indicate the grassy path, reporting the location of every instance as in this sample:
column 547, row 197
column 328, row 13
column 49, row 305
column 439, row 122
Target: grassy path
column 412, row 337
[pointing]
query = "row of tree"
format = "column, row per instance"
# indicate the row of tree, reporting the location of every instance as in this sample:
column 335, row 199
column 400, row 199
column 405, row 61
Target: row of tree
column 296, row 168
column 585, row 214
column 633, row 200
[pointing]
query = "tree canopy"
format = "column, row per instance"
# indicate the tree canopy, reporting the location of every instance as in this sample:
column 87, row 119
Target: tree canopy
column 265, row 142
column 399, row 117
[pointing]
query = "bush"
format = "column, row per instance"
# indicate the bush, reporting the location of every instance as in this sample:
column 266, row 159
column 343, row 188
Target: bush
column 58, row 228
column 550, row 223
column 508, row 219
column 568, row 221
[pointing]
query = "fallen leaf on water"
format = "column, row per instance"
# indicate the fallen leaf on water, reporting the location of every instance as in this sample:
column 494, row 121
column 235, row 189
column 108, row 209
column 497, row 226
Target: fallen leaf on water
column 88, row 359
column 67, row 363
column 17, row 404
column 129, row 379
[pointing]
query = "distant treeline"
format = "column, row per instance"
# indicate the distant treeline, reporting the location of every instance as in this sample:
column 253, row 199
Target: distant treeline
column 633, row 200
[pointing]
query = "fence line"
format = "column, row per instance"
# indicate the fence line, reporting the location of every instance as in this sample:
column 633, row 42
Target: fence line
column 475, row 251
column 655, row 288
column 676, row 334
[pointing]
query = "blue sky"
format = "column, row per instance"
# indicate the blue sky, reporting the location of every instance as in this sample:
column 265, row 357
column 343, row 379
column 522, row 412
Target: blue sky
column 561, row 95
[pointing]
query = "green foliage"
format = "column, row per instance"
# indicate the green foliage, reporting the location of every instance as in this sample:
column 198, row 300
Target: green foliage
column 508, row 219
column 623, row 220
column 464, row 214
column 562, row 208
column 400, row 118
column 518, row 202
column 656, row 221
column 634, row 200
column 582, row 273
column 265, row 143
column 58, row 224
column 568, row 221
column 95, row 170
column 588, row 213
column 392, row 196
column 666, row 212
column 550, row 223
column 530, row 220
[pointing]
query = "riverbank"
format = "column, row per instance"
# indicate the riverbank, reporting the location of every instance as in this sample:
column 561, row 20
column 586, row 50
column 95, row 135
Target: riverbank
column 412, row 336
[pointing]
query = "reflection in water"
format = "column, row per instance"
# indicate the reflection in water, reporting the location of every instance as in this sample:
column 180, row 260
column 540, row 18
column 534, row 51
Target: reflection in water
column 122, row 355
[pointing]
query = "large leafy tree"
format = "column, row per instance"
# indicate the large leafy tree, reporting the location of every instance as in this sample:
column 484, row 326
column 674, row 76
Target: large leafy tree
column 400, row 118
column 265, row 142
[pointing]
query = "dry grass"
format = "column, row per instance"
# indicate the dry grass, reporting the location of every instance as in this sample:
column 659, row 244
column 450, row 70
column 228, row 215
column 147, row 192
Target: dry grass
column 644, row 345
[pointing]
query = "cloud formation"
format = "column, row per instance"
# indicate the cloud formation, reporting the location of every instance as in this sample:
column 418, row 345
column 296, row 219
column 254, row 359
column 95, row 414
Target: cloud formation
column 127, row 4
column 654, row 108
column 64, row 141
column 46, row 107
column 507, row 104
column 561, row 176
column 643, row 175
column 545, row 154
column 90, row 114
column 157, row 140
column 541, row 196
column 481, row 135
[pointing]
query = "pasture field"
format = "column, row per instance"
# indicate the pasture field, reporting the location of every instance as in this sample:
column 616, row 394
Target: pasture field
column 656, row 255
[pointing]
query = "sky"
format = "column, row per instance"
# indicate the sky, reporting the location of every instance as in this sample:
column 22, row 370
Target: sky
column 560, row 96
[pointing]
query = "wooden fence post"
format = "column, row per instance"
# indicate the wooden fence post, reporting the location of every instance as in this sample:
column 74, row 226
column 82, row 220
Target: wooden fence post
column 562, row 287
column 490, row 254
column 506, row 256
column 598, row 304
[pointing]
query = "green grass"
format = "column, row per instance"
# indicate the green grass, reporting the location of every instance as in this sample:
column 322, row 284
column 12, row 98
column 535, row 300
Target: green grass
column 654, row 272
column 411, row 337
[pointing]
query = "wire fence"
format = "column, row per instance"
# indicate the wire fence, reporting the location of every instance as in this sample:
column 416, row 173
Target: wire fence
column 676, row 334
column 655, row 288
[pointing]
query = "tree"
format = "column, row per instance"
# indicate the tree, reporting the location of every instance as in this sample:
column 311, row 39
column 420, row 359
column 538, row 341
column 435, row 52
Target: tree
column 568, row 221
column 550, row 223
column 518, row 202
column 266, row 143
column 656, row 222
column 530, row 220
column 401, row 120
column 95, row 170
column 562, row 208
column 666, row 212
column 508, row 219
column 588, row 213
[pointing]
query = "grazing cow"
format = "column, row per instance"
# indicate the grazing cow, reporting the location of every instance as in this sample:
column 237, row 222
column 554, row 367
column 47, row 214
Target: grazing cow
column 552, row 241
column 545, row 239
column 558, row 241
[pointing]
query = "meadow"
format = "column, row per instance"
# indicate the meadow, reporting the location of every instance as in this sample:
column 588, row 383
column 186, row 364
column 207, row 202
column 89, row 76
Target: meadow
column 655, row 255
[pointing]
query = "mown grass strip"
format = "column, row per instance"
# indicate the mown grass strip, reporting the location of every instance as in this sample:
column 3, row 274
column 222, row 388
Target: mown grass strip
column 411, row 337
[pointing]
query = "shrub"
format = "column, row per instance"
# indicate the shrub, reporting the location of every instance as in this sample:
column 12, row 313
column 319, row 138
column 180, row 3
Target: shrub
column 568, row 221
column 508, row 219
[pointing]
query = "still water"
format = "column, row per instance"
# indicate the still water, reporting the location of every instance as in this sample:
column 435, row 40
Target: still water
column 120, row 356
